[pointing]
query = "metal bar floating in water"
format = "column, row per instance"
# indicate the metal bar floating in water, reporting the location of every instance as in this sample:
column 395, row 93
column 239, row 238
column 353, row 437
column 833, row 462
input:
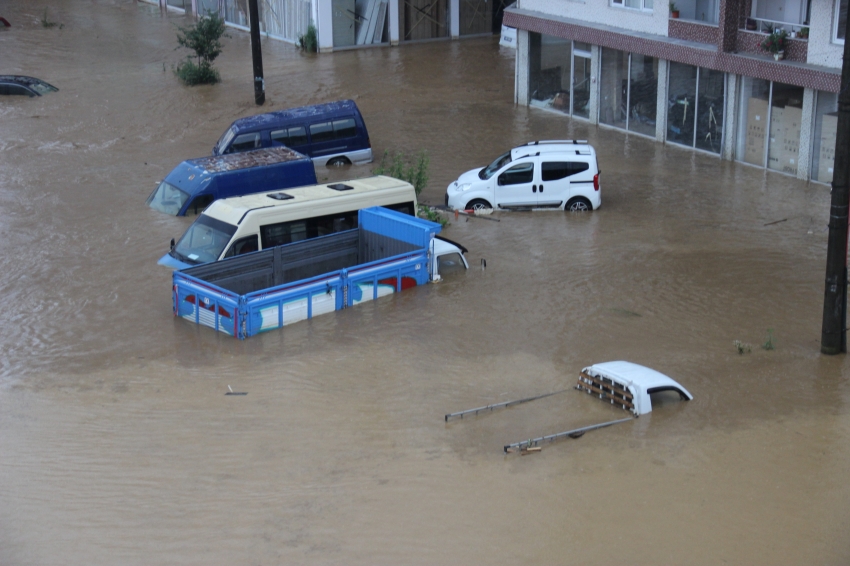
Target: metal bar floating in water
column 575, row 433
column 500, row 405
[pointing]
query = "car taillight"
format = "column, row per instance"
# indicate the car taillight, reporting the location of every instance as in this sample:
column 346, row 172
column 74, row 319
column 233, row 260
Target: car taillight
column 596, row 182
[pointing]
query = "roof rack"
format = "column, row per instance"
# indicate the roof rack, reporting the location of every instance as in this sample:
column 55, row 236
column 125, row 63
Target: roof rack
column 572, row 142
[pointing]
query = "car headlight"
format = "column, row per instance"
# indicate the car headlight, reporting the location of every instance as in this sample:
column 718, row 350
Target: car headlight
column 463, row 187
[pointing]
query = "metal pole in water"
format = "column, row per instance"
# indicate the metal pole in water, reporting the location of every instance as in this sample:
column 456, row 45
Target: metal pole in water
column 499, row 405
column 575, row 432
column 257, row 54
column 833, row 329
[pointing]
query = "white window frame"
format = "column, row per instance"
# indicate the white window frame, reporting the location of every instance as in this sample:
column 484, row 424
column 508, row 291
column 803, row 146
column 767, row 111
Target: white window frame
column 645, row 5
column 835, row 38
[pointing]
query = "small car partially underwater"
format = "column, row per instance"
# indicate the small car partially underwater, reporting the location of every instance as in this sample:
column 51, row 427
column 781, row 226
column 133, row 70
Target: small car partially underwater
column 26, row 86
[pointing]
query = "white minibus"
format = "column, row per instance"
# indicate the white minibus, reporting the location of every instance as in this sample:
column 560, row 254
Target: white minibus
column 239, row 225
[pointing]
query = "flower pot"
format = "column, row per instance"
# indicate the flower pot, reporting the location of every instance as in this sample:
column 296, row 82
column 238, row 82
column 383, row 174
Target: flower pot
column 779, row 56
column 674, row 14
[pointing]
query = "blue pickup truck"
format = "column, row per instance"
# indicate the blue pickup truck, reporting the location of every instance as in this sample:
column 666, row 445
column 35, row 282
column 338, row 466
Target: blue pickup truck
column 194, row 184
column 245, row 295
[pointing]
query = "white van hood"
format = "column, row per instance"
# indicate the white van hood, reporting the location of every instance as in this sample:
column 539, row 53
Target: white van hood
column 470, row 176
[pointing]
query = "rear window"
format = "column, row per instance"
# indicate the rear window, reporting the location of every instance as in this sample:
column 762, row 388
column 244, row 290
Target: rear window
column 554, row 170
column 345, row 128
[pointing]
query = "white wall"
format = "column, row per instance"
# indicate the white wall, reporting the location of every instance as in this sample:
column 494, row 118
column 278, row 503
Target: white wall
column 821, row 49
column 602, row 12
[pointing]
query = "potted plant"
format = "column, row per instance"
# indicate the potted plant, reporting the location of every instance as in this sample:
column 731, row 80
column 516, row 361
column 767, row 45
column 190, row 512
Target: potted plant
column 674, row 11
column 803, row 33
column 751, row 24
column 775, row 43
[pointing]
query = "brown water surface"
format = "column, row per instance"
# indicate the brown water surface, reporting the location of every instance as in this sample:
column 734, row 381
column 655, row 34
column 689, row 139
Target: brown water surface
column 118, row 445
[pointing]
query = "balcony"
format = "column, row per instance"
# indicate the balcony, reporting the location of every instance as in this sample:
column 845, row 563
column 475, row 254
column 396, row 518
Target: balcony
column 752, row 31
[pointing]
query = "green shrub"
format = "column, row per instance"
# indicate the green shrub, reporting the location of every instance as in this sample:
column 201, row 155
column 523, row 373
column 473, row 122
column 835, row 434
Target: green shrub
column 310, row 40
column 204, row 39
column 398, row 165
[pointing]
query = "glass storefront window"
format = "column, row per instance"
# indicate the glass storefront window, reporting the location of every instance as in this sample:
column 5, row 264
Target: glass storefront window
column 695, row 107
column 681, row 105
column 826, row 126
column 424, row 19
column 549, row 75
column 643, row 94
column 709, row 110
column 769, row 136
column 476, row 17
column 581, row 85
column 786, row 116
column 360, row 22
column 753, row 125
column 613, row 85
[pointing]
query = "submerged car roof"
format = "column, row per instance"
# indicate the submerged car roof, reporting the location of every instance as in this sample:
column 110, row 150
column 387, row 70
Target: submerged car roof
column 244, row 159
column 331, row 110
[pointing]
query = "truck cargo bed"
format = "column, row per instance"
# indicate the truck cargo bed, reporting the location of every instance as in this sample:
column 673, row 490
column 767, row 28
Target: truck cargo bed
column 245, row 295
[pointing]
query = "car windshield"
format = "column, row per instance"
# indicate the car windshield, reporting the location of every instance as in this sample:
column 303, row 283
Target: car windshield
column 204, row 241
column 225, row 140
column 491, row 169
column 167, row 198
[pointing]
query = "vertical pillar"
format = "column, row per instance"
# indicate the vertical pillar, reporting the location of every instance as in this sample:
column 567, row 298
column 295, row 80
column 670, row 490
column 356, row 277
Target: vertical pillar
column 324, row 25
column 522, row 68
column 730, row 116
column 807, row 130
column 595, row 74
column 395, row 6
column 454, row 18
column 728, row 25
column 661, row 101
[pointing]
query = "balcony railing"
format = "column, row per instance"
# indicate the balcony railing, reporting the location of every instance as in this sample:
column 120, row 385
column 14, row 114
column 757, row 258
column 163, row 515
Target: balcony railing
column 764, row 26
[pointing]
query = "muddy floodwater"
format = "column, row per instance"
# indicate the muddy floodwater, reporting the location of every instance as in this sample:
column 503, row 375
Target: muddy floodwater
column 118, row 444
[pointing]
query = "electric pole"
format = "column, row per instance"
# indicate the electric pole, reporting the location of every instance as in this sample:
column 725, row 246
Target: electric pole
column 834, row 329
column 257, row 54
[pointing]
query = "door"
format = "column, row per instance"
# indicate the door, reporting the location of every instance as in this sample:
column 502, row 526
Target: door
column 554, row 187
column 516, row 186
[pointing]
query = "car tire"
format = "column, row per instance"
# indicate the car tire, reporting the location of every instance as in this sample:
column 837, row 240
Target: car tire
column 338, row 162
column 477, row 204
column 578, row 204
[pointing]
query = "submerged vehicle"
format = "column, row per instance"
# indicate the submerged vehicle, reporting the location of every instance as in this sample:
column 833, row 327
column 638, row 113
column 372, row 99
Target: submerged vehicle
column 196, row 183
column 244, row 296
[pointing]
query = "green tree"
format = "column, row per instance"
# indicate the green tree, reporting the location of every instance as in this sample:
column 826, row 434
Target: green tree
column 204, row 39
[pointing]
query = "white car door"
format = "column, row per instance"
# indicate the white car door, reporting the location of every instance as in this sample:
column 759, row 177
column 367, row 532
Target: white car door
column 516, row 185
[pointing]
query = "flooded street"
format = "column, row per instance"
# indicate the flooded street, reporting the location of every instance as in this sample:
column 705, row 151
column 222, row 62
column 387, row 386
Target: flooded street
column 118, row 444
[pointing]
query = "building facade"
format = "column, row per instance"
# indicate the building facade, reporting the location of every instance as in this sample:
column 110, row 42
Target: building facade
column 692, row 73
column 347, row 24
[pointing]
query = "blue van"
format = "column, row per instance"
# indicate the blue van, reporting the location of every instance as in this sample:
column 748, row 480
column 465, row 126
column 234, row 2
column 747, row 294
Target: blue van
column 332, row 133
column 194, row 184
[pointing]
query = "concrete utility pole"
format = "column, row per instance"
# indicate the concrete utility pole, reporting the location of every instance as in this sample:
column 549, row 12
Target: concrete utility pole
column 257, row 54
column 834, row 329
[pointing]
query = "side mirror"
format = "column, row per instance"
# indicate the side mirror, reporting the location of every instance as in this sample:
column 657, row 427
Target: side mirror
column 172, row 245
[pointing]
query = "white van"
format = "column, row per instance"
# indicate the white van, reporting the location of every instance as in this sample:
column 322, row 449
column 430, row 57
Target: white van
column 239, row 225
column 558, row 174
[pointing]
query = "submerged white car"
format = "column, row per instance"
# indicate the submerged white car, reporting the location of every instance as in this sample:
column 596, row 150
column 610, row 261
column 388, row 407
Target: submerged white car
column 557, row 174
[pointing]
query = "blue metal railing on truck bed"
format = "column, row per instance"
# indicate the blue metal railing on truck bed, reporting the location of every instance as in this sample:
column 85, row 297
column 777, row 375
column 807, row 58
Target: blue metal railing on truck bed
column 246, row 295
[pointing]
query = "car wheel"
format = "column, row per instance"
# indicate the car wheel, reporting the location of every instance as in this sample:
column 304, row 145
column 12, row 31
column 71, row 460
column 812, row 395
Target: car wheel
column 338, row 162
column 578, row 204
column 477, row 204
